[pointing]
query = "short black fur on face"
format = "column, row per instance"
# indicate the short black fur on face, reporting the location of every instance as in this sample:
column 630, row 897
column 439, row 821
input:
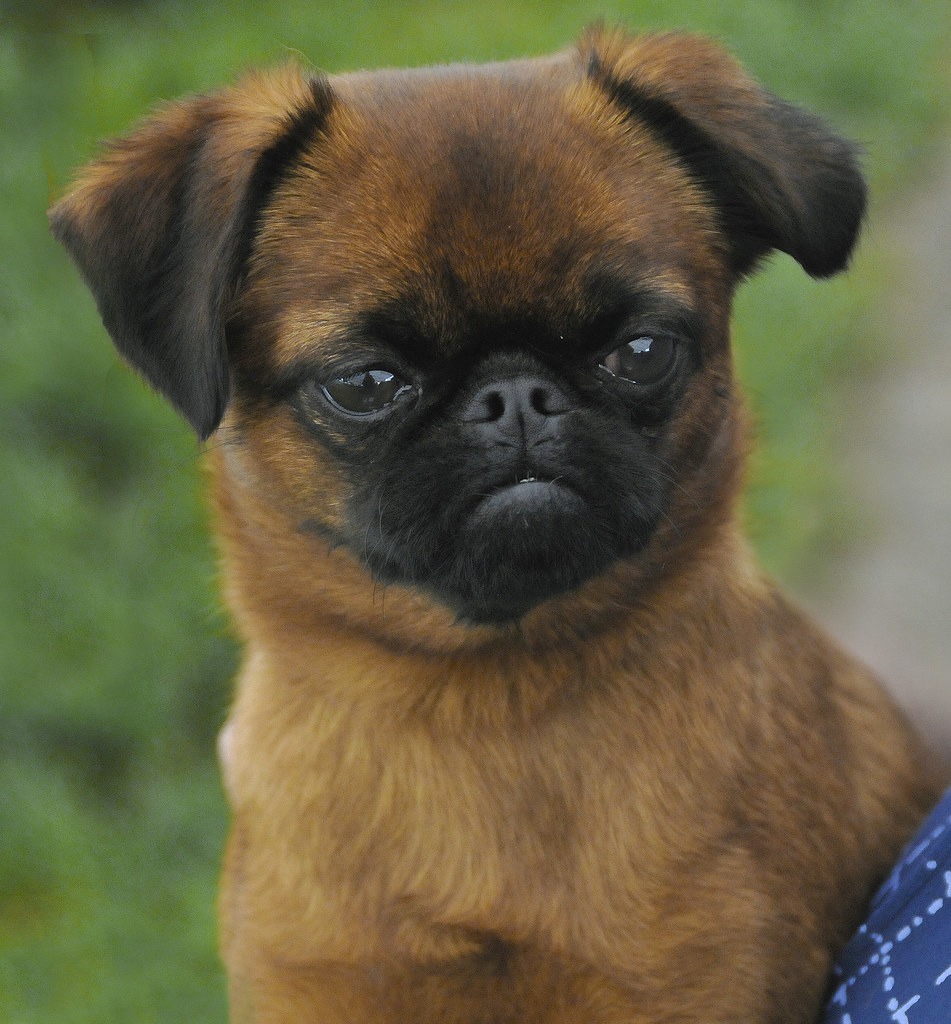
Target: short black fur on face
column 516, row 472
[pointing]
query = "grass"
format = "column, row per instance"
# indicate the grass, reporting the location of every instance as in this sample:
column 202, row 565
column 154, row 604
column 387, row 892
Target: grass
column 114, row 659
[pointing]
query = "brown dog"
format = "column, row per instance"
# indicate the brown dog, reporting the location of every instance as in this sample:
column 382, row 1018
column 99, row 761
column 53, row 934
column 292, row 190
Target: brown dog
column 522, row 734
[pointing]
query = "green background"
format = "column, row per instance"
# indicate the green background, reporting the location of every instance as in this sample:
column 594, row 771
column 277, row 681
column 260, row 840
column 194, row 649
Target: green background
column 115, row 659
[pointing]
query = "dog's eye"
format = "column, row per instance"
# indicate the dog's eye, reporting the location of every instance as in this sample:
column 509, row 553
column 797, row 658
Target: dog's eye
column 366, row 391
column 645, row 359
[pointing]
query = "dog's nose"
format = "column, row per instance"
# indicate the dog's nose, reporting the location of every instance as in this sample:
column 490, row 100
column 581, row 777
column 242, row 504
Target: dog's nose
column 515, row 405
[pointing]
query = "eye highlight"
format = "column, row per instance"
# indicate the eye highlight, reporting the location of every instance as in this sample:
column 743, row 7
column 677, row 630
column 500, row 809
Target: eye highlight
column 646, row 359
column 366, row 392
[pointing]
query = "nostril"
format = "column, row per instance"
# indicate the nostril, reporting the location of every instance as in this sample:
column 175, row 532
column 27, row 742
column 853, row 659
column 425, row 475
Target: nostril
column 547, row 402
column 541, row 401
column 494, row 406
column 488, row 406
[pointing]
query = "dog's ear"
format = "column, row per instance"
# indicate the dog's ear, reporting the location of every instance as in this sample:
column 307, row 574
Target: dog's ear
column 161, row 225
column 779, row 177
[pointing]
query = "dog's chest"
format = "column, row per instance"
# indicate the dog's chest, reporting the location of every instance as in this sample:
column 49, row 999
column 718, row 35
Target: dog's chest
column 488, row 829
column 450, row 830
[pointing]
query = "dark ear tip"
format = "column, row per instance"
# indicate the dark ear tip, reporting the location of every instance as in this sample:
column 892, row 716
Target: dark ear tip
column 195, row 379
column 205, row 426
column 829, row 194
column 203, row 404
column 839, row 218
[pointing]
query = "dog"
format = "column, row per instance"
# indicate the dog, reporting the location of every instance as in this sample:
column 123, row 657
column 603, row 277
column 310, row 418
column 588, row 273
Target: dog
column 522, row 733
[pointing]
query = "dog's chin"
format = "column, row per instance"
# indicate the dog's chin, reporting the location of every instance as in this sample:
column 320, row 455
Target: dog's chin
column 514, row 552
column 521, row 546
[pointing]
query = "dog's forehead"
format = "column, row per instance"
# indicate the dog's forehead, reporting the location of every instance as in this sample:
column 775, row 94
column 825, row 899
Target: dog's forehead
column 473, row 192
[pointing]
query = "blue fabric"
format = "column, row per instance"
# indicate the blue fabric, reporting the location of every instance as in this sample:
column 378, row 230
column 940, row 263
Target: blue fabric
column 897, row 968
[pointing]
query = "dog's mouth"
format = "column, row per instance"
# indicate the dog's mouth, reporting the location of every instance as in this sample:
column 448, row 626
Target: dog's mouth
column 534, row 479
column 530, row 496
column 513, row 543
column 498, row 544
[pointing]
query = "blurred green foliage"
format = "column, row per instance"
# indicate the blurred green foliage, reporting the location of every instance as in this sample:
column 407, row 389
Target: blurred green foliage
column 115, row 661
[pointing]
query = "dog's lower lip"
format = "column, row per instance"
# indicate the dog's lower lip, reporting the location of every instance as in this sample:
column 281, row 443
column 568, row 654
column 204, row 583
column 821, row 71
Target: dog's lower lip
column 529, row 478
column 528, row 484
column 528, row 493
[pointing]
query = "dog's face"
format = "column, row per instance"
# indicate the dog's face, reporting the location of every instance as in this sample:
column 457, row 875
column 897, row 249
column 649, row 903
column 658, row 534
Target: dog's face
column 466, row 326
column 501, row 377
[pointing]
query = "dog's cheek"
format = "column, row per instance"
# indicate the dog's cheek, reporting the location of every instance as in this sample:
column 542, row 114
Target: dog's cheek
column 707, row 448
column 273, row 463
column 405, row 512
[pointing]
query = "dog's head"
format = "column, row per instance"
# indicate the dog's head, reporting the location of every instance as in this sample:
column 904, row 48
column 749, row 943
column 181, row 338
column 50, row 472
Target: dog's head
column 465, row 326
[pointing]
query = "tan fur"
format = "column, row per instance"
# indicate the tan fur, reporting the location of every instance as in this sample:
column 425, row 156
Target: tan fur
column 662, row 797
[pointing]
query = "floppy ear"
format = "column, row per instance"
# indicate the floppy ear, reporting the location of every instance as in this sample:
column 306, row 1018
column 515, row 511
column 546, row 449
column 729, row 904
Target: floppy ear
column 778, row 176
column 161, row 225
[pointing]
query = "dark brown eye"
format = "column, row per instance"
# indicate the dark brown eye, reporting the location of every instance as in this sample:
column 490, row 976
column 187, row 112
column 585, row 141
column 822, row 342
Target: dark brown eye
column 366, row 392
column 645, row 359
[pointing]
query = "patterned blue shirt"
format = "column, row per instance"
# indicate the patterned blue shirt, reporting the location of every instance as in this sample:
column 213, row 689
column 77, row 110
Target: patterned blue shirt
column 897, row 968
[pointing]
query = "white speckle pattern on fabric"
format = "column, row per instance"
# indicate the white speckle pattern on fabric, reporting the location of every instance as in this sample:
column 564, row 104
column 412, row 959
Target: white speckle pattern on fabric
column 897, row 968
